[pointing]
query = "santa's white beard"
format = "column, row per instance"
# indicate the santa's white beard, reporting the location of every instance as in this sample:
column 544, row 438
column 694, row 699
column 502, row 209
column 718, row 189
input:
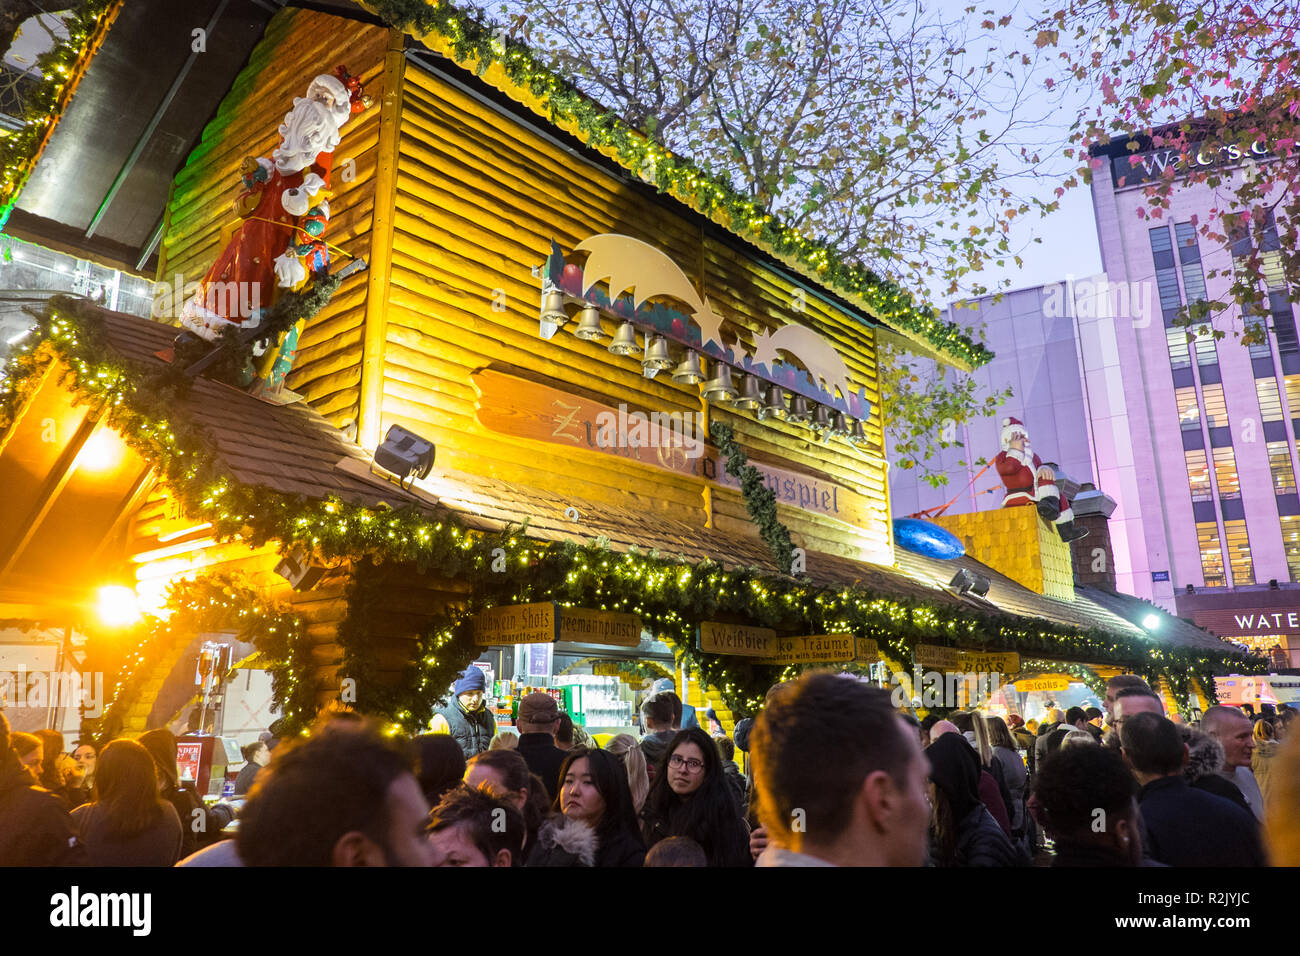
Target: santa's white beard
column 1025, row 457
column 307, row 131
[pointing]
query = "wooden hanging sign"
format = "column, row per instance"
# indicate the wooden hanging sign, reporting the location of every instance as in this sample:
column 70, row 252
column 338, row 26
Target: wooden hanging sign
column 974, row 662
column 674, row 442
column 546, row 622
column 741, row 641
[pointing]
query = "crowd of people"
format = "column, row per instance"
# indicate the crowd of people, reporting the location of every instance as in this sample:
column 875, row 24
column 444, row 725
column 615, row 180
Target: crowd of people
column 837, row 776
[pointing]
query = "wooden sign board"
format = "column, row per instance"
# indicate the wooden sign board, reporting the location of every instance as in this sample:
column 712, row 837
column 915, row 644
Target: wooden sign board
column 974, row 662
column 815, row 649
column 585, row 626
column 517, row 624
column 736, row 640
column 1042, row 683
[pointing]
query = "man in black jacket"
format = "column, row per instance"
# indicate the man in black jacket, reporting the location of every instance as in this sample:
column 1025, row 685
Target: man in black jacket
column 1184, row 826
column 539, row 717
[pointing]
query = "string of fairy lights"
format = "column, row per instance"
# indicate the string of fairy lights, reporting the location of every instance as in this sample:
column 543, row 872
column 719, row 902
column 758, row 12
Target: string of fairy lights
column 477, row 44
column 671, row 595
column 45, row 101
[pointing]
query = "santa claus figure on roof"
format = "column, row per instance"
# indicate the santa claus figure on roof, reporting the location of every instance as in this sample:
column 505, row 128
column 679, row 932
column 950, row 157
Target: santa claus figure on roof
column 1030, row 482
column 285, row 212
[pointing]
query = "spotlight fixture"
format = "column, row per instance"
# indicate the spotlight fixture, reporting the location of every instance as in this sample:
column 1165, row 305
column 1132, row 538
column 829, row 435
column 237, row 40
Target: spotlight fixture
column 405, row 454
column 1151, row 622
column 969, row 583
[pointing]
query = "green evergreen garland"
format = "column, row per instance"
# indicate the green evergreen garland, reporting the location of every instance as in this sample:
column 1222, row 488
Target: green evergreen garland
column 760, row 500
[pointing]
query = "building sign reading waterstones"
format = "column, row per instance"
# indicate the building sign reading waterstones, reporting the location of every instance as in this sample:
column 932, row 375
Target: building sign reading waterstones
column 546, row 622
column 738, row 640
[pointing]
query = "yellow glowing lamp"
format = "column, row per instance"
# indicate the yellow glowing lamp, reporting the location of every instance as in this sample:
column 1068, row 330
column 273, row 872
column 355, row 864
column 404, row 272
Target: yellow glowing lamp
column 117, row 606
column 104, row 451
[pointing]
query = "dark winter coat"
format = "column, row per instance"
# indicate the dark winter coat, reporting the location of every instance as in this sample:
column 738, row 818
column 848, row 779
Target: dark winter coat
column 247, row 774
column 981, row 842
column 1015, row 779
column 473, row 731
column 543, row 758
column 35, row 829
column 1224, row 789
column 739, row 785
column 1186, row 826
column 158, row 845
column 564, row 842
column 201, row 828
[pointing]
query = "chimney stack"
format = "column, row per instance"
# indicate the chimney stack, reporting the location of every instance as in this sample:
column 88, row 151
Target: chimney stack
column 1093, row 557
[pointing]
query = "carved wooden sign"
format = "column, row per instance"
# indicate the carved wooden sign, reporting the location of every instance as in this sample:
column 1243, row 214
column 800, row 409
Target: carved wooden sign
column 515, row 406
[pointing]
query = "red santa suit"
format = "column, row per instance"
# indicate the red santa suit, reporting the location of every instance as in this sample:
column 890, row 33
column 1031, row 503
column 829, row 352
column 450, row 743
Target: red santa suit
column 1029, row 482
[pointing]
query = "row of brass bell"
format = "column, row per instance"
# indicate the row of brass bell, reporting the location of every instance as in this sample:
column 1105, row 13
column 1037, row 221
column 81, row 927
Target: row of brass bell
column 749, row 396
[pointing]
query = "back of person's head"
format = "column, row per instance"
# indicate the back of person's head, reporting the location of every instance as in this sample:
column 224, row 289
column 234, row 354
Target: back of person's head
column 1074, row 715
column 161, row 744
column 1073, row 784
column 726, row 748
column 1074, row 737
column 323, row 798
column 927, row 722
column 1153, row 744
column 1121, row 682
column 626, row 748
column 10, row 765
column 1092, row 713
column 1128, row 693
column 963, row 720
column 473, row 827
column 439, row 764
column 676, row 851
column 999, row 735
column 508, row 765
column 24, row 744
column 983, row 742
column 126, row 789
column 676, row 703
column 658, row 711
column 504, row 740
column 815, row 743
column 1263, row 730
column 1056, row 738
column 564, row 730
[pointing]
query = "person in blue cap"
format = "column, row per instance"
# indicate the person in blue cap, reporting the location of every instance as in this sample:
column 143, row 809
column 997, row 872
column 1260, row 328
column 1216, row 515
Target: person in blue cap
column 687, row 717
column 466, row 718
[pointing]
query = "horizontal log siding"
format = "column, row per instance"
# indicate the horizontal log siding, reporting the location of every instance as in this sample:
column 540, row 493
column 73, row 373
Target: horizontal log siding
column 479, row 200
column 298, row 45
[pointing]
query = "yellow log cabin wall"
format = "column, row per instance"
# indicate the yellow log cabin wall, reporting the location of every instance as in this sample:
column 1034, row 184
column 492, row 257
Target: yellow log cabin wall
column 479, row 197
column 453, row 203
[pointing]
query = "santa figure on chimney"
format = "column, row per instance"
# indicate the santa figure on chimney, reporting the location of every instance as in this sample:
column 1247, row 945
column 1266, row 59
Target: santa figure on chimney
column 1030, row 482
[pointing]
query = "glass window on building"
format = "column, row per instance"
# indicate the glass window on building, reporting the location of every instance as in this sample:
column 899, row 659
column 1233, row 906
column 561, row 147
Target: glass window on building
column 1250, row 316
column 1270, row 400
column 1225, row 473
column 1291, row 544
column 1207, row 539
column 1283, row 321
column 1292, row 385
column 1206, row 354
column 1238, row 546
column 1216, row 409
column 1189, row 413
column 1198, row 474
column 1180, row 355
column 1189, row 255
column 1279, row 464
column 1162, row 252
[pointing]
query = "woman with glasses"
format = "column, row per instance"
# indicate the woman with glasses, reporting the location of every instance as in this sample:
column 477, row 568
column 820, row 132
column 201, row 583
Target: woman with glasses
column 690, row 797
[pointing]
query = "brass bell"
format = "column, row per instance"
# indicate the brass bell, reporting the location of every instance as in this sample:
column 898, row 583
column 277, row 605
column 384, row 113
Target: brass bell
column 774, row 404
column 624, row 342
column 719, row 388
column 552, row 314
column 821, row 422
column 751, row 393
column 839, row 426
column 799, row 411
column 857, row 435
column 657, row 357
column 589, row 329
column 689, row 372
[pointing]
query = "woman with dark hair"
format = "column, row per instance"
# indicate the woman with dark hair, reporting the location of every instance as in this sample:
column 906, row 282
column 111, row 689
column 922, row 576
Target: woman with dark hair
column 28, row 749
column 963, row 832
column 128, row 824
column 439, row 764
column 690, row 797
column 505, row 774
column 1014, row 774
column 201, row 826
column 597, row 824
